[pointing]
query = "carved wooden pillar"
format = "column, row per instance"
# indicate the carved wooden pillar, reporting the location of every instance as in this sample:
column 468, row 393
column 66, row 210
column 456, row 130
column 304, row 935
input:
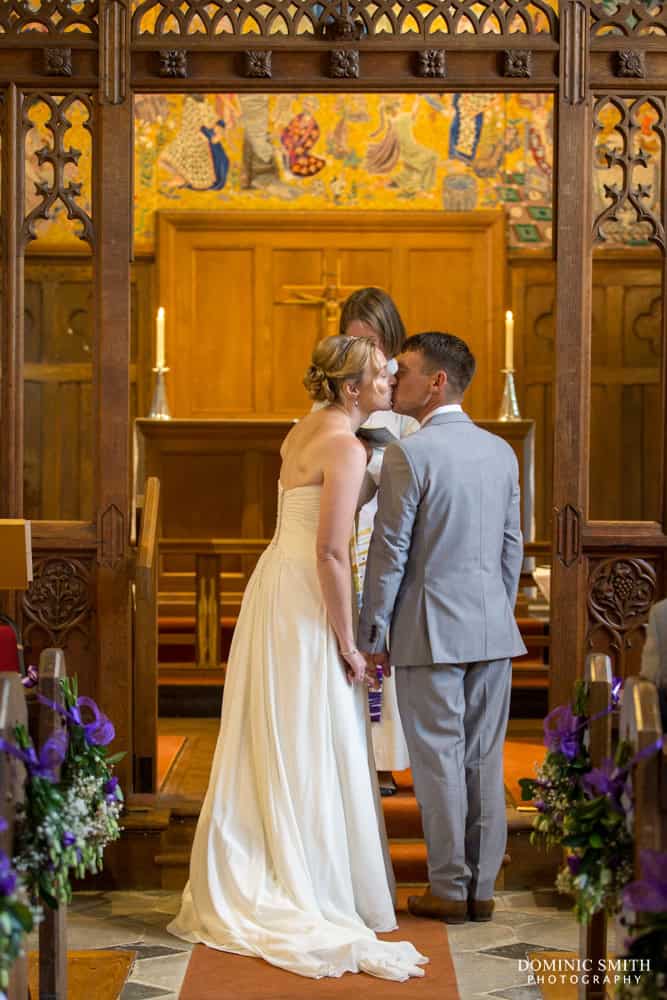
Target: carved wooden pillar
column 11, row 339
column 573, row 326
column 112, row 159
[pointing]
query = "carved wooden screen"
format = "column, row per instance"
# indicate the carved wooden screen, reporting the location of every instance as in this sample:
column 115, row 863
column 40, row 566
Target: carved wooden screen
column 629, row 159
column 99, row 51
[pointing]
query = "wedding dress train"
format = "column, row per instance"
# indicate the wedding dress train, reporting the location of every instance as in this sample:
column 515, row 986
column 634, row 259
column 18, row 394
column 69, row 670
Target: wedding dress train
column 288, row 861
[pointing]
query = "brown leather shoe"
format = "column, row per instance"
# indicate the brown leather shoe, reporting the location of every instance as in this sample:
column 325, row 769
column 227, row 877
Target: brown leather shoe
column 480, row 909
column 452, row 911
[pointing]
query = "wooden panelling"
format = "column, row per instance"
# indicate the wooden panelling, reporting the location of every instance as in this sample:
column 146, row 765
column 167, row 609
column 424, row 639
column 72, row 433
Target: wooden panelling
column 625, row 426
column 214, row 355
column 264, row 288
column 58, row 381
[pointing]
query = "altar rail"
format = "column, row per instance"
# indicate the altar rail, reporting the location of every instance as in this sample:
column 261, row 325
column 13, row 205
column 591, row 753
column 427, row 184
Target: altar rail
column 213, row 606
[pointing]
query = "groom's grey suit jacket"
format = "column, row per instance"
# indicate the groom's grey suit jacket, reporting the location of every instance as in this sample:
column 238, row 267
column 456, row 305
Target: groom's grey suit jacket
column 445, row 557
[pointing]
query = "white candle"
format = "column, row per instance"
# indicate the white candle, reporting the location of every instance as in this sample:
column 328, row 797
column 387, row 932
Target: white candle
column 509, row 340
column 159, row 339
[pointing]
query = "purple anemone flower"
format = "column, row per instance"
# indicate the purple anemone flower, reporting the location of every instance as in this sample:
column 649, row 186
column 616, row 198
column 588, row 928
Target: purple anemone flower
column 68, row 839
column 561, row 732
column 648, row 894
column 609, row 780
column 110, row 788
column 7, row 876
column 49, row 760
column 574, row 864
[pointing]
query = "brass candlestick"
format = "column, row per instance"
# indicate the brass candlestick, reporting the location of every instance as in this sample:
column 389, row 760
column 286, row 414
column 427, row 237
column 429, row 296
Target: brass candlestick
column 159, row 405
column 509, row 407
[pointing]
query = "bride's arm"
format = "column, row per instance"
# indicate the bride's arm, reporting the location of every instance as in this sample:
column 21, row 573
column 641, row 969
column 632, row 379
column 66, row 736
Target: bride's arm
column 343, row 475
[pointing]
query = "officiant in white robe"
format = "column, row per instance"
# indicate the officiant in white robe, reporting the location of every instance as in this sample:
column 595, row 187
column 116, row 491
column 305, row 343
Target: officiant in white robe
column 371, row 312
column 389, row 746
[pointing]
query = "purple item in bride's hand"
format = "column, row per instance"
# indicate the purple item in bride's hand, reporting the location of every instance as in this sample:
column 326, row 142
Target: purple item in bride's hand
column 375, row 699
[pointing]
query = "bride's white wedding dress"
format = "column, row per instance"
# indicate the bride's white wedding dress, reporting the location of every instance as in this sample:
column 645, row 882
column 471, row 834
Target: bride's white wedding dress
column 288, row 861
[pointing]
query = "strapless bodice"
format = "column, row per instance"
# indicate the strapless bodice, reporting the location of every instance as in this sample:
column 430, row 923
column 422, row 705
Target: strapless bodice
column 297, row 519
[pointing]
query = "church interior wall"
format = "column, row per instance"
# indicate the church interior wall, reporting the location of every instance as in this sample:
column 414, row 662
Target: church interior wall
column 314, row 152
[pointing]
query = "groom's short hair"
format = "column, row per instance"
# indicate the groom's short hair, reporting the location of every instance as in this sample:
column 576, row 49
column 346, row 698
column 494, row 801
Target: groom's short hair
column 446, row 352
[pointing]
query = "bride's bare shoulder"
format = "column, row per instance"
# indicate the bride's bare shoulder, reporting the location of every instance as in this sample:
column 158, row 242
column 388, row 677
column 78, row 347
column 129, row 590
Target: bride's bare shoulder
column 343, row 449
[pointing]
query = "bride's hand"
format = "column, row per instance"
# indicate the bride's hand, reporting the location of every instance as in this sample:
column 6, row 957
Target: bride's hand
column 355, row 667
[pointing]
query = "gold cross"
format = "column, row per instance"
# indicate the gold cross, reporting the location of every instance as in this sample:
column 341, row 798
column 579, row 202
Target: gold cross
column 328, row 296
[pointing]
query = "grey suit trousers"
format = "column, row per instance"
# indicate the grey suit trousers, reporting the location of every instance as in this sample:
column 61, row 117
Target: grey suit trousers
column 455, row 719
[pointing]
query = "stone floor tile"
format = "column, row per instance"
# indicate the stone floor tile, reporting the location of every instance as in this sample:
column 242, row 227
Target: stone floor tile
column 528, row 992
column 84, row 933
column 476, row 973
column 146, row 951
column 160, row 935
column 517, row 901
column 515, row 918
column 88, row 900
column 473, row 936
column 515, row 951
column 136, row 902
column 170, row 903
column 165, row 972
column 139, row 991
column 553, row 932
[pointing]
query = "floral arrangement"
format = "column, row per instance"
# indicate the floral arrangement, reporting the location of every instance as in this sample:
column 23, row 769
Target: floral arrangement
column 16, row 917
column 583, row 809
column 66, row 822
column 647, row 898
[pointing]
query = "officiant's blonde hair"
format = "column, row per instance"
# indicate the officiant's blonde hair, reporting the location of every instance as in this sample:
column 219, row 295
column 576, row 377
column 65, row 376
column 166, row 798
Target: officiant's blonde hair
column 337, row 360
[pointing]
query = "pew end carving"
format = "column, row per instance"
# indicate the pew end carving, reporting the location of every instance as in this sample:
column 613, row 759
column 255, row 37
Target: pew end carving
column 593, row 935
column 13, row 712
column 44, row 723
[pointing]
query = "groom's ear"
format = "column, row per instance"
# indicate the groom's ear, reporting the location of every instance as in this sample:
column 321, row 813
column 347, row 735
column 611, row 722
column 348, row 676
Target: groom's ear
column 440, row 379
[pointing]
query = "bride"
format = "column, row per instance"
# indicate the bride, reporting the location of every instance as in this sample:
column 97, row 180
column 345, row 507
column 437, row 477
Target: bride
column 289, row 861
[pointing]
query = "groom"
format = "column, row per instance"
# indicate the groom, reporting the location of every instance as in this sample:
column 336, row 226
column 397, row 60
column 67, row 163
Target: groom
column 443, row 572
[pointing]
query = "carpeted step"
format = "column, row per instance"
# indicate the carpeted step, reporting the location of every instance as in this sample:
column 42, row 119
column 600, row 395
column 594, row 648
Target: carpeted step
column 408, row 859
column 402, row 816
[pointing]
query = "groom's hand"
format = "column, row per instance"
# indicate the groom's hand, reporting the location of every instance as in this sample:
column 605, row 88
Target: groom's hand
column 382, row 660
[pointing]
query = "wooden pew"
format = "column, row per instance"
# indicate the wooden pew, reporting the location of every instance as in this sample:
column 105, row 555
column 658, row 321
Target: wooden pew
column 44, row 722
column 593, row 935
column 642, row 728
column 12, row 779
column 146, row 640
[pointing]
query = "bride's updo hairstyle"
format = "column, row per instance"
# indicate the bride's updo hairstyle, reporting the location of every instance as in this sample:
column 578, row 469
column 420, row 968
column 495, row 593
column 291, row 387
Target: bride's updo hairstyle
column 337, row 360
